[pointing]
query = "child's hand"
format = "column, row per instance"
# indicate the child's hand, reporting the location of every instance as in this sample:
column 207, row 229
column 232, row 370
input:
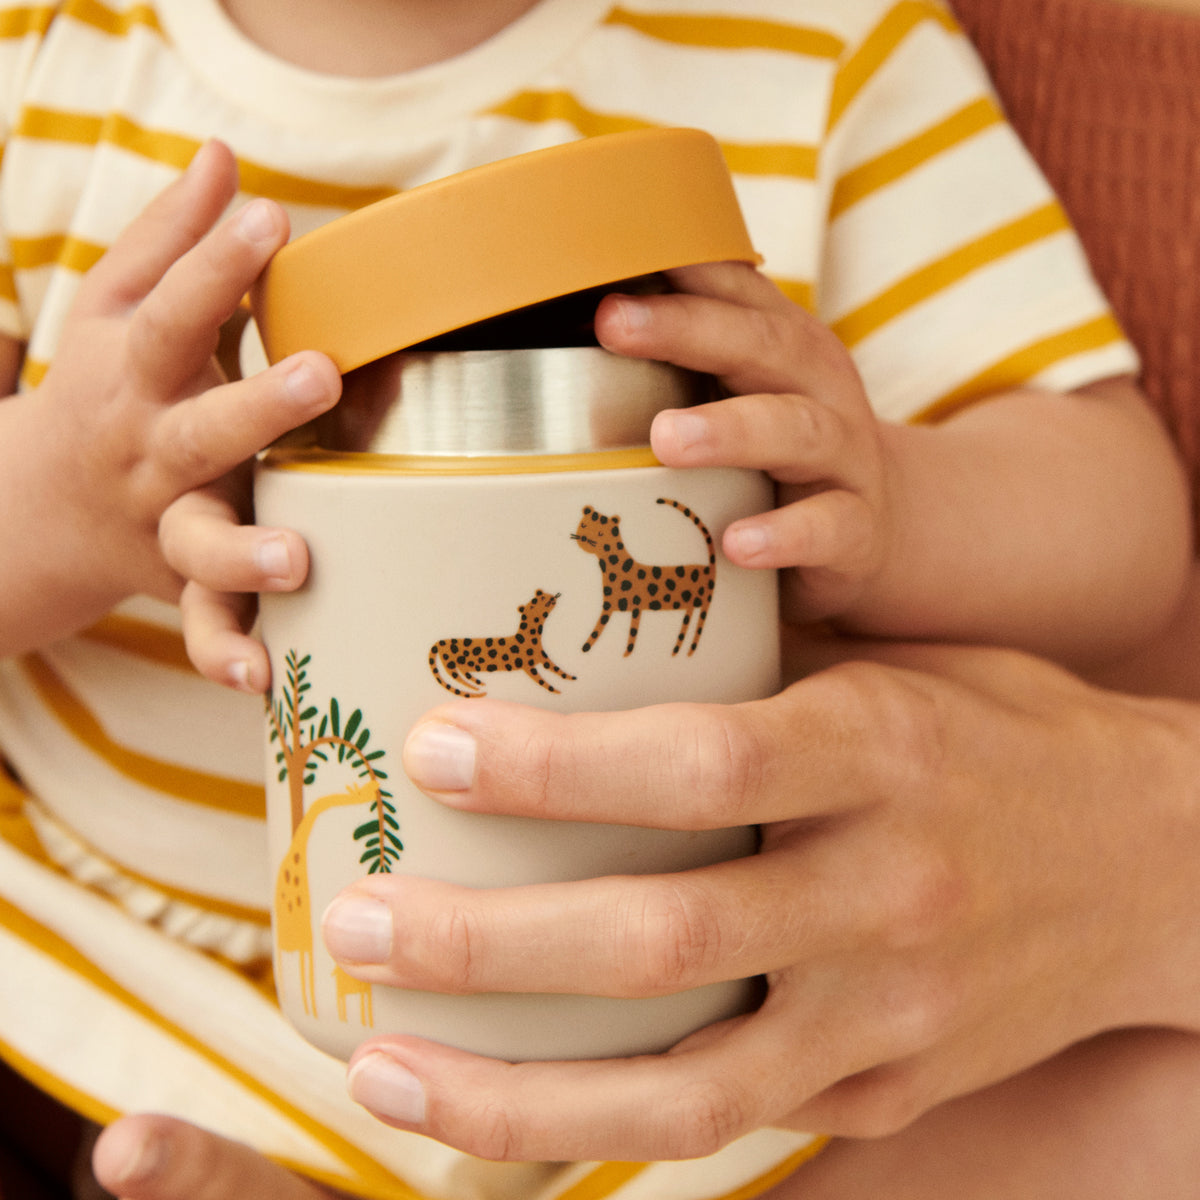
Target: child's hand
column 808, row 425
column 152, row 1157
column 879, row 523
column 210, row 538
column 134, row 412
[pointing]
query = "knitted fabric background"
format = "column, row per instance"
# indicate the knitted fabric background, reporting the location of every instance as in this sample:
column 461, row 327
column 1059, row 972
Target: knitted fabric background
column 1106, row 97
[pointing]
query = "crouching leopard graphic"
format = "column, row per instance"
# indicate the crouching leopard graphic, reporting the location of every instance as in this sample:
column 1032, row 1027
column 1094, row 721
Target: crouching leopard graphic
column 634, row 587
column 457, row 663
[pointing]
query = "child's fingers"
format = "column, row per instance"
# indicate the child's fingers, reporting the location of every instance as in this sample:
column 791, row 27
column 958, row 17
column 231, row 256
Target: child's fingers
column 150, row 1157
column 214, row 625
column 741, row 328
column 833, row 530
column 200, row 439
column 791, row 437
column 226, row 563
column 736, row 282
column 203, row 540
column 170, row 225
column 174, row 330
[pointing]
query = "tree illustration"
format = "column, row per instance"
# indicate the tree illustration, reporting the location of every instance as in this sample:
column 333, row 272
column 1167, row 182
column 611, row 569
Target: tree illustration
column 306, row 737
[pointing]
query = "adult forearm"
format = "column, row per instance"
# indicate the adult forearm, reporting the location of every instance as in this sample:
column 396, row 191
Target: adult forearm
column 1115, row 1117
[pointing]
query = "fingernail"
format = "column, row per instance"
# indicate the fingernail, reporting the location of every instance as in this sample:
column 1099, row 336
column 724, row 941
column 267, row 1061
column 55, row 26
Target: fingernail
column 305, row 387
column 440, row 757
column 379, row 1083
column 239, row 675
column 358, row 929
column 271, row 557
column 687, row 429
column 745, row 542
column 634, row 315
column 141, row 1161
column 257, row 221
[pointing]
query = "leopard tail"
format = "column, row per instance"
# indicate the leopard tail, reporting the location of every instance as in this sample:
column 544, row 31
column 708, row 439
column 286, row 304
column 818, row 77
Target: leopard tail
column 449, row 678
column 699, row 524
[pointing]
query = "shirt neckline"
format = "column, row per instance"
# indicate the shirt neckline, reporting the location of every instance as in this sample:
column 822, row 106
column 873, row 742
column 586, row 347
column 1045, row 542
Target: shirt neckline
column 331, row 105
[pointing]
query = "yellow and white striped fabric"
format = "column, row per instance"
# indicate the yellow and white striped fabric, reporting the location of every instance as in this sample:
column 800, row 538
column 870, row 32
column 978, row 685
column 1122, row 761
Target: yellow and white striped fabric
column 885, row 192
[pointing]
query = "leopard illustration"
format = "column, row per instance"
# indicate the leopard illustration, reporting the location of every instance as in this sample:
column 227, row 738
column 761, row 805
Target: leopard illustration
column 634, row 587
column 457, row 663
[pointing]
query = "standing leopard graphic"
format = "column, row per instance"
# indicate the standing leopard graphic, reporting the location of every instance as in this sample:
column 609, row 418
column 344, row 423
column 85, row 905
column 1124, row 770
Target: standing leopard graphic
column 457, row 663
column 634, row 587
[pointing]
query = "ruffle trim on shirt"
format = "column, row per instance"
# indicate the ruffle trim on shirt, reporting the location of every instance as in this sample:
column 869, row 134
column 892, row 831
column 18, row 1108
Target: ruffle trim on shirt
column 242, row 942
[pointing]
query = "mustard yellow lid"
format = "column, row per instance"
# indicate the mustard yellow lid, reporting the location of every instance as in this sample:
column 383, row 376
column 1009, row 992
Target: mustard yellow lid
column 498, row 238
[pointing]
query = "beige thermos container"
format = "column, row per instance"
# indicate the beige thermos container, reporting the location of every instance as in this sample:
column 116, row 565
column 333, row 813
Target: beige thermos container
column 485, row 518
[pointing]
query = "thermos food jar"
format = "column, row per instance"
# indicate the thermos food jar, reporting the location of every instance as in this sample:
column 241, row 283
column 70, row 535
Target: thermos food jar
column 485, row 518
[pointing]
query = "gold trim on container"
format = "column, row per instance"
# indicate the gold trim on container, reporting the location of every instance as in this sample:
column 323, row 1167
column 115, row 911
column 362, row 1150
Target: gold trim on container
column 332, row 462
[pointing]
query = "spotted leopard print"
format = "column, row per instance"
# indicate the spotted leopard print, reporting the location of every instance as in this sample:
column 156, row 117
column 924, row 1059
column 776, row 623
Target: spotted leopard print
column 634, row 587
column 457, row 663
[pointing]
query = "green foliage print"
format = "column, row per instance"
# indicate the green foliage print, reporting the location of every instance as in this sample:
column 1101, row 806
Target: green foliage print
column 304, row 737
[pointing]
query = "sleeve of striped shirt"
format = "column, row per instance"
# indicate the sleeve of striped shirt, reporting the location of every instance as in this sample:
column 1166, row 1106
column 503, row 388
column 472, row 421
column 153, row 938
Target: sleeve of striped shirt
column 22, row 27
column 949, row 267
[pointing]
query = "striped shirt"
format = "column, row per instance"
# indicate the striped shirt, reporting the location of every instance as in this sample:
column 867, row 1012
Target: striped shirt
column 885, row 193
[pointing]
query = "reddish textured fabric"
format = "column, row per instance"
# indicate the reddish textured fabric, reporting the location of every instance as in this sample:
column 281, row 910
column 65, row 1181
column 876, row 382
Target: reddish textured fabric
column 1107, row 97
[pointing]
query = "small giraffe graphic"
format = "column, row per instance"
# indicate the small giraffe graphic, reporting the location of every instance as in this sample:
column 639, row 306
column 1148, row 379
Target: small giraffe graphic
column 634, row 587
column 457, row 663
column 347, row 985
column 293, row 907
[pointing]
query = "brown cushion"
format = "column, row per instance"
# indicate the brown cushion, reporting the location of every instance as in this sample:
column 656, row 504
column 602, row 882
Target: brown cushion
column 1106, row 96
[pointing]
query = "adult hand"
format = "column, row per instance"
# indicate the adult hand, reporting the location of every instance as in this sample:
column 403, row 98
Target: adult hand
column 970, row 860
column 134, row 412
column 149, row 1157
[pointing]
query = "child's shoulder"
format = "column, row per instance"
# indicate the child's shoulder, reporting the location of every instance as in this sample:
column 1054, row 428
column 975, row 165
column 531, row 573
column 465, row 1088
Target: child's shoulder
column 23, row 21
column 62, row 38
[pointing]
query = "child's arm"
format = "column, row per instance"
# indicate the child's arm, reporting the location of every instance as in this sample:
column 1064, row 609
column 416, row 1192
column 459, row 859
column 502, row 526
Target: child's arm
column 1053, row 523
column 1049, row 522
column 134, row 412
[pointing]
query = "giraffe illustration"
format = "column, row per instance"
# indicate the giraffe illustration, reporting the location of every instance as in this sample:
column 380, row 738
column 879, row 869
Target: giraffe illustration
column 347, row 985
column 293, row 915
